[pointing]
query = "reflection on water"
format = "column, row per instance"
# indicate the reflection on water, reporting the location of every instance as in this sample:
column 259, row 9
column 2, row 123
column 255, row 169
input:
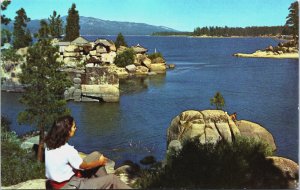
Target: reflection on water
column 141, row 83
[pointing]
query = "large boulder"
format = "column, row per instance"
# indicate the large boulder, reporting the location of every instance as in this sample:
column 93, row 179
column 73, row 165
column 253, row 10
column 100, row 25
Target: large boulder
column 209, row 126
column 250, row 129
column 289, row 171
column 147, row 62
column 158, row 67
column 141, row 70
column 72, row 48
column 131, row 68
column 108, row 93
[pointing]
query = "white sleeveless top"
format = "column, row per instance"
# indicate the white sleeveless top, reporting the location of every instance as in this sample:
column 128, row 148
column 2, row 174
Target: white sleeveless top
column 60, row 162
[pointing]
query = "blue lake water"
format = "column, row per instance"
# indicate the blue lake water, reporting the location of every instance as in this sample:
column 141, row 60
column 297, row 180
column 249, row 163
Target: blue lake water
column 261, row 90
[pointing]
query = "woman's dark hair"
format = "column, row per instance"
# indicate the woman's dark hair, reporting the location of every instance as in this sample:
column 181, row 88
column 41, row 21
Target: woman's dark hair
column 59, row 133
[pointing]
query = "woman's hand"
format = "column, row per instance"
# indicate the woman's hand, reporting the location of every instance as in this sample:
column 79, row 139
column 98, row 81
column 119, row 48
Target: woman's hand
column 102, row 160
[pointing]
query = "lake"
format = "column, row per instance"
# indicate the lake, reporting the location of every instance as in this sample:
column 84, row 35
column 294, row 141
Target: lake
column 261, row 90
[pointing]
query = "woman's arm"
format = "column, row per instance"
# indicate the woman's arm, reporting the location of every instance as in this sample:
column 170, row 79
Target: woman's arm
column 101, row 162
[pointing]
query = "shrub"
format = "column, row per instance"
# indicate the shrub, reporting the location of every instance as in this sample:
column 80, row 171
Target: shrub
column 17, row 165
column 155, row 55
column 11, row 55
column 125, row 58
column 241, row 164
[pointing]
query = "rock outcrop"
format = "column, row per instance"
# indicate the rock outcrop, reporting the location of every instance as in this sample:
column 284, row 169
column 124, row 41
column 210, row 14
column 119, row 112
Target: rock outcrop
column 208, row 125
column 250, row 129
column 289, row 170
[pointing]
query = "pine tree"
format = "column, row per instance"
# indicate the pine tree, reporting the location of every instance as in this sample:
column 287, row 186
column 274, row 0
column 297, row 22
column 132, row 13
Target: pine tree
column 21, row 35
column 5, row 34
column 55, row 25
column 72, row 26
column 44, row 88
column 4, row 19
column 293, row 18
column 44, row 30
column 218, row 101
column 120, row 41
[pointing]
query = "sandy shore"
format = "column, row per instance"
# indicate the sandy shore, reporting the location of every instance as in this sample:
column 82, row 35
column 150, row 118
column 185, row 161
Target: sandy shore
column 264, row 54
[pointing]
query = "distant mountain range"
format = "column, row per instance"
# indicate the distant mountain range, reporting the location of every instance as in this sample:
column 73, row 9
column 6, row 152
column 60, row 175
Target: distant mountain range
column 95, row 26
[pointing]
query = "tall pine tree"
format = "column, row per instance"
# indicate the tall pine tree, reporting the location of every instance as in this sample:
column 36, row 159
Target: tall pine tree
column 44, row 87
column 44, row 30
column 5, row 34
column 21, row 35
column 293, row 19
column 120, row 41
column 72, row 26
column 55, row 25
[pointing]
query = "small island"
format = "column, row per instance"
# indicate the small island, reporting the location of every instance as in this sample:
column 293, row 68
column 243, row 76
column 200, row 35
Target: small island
column 288, row 50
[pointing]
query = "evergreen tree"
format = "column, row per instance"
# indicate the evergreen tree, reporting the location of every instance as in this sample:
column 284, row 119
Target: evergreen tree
column 44, row 30
column 21, row 35
column 120, row 41
column 4, row 19
column 44, row 88
column 55, row 25
column 72, row 26
column 218, row 101
column 5, row 34
column 293, row 18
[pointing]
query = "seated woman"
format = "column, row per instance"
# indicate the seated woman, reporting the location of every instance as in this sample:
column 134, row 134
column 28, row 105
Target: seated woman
column 62, row 161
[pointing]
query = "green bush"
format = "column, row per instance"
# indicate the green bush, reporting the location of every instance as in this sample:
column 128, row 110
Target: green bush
column 241, row 164
column 155, row 55
column 11, row 55
column 125, row 58
column 17, row 165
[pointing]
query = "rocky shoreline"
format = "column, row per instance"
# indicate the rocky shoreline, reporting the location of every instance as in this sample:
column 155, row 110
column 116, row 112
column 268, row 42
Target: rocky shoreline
column 91, row 67
column 288, row 50
column 265, row 54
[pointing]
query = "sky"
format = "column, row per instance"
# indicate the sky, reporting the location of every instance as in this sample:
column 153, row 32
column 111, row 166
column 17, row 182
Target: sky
column 182, row 15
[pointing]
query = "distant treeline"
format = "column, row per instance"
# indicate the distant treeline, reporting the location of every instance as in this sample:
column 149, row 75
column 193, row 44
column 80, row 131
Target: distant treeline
column 233, row 31
column 172, row 33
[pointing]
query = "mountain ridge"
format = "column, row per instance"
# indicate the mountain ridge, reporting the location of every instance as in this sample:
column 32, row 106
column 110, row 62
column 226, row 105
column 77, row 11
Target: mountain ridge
column 96, row 26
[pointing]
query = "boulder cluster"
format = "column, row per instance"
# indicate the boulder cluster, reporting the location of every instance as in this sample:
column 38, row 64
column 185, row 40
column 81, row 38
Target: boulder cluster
column 211, row 126
column 90, row 65
column 82, row 53
column 288, row 47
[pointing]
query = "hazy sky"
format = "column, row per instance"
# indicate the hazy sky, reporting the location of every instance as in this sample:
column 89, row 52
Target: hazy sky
column 183, row 15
